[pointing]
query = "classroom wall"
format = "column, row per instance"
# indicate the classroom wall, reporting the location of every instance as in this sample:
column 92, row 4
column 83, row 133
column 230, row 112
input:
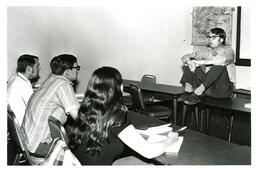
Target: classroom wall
column 133, row 39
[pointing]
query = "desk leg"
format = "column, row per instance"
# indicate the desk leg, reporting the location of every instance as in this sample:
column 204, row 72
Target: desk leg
column 184, row 114
column 207, row 120
column 230, row 127
column 174, row 110
column 201, row 120
column 196, row 118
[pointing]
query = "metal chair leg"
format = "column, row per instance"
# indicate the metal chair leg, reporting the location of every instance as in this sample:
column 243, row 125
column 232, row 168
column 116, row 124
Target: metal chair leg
column 184, row 114
column 202, row 115
column 196, row 118
column 230, row 127
column 207, row 120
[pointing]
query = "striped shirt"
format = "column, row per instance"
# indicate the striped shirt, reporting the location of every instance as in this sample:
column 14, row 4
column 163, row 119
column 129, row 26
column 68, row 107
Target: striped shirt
column 54, row 97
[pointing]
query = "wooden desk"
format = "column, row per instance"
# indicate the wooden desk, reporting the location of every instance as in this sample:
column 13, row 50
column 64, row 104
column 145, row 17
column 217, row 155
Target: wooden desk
column 198, row 148
column 238, row 91
column 235, row 104
column 232, row 105
column 173, row 91
column 201, row 149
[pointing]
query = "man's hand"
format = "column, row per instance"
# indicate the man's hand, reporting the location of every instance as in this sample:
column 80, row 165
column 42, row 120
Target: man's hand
column 192, row 65
column 199, row 62
column 188, row 57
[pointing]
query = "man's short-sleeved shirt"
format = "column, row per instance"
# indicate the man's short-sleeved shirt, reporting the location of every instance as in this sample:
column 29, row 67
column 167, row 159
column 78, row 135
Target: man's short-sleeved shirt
column 228, row 53
column 19, row 90
column 55, row 97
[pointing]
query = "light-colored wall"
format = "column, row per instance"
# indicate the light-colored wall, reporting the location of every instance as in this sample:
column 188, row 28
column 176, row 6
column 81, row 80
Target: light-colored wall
column 135, row 40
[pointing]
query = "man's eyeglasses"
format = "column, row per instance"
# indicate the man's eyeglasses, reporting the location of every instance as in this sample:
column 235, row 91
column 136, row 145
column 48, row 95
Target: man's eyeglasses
column 77, row 67
column 212, row 37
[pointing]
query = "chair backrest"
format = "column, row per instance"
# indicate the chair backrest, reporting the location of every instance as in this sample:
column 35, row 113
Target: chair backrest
column 17, row 136
column 148, row 78
column 137, row 99
column 58, row 132
column 57, row 129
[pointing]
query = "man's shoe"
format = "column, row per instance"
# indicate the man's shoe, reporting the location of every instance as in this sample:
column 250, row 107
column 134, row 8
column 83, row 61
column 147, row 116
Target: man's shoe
column 192, row 99
column 184, row 96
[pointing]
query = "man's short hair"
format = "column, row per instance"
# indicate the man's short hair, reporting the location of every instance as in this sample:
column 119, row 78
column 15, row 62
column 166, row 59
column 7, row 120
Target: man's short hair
column 24, row 61
column 62, row 62
column 219, row 32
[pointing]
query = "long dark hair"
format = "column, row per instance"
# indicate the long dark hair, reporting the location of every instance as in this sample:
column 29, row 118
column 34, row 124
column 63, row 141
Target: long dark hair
column 101, row 109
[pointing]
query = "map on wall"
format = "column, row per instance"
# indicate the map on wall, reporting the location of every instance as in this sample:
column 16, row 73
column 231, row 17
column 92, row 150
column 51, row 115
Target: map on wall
column 205, row 18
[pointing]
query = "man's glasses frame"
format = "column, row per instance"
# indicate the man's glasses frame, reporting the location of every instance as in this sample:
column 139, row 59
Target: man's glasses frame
column 212, row 37
column 76, row 67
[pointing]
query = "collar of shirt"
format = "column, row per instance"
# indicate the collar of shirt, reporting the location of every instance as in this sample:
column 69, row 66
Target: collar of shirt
column 62, row 77
column 23, row 77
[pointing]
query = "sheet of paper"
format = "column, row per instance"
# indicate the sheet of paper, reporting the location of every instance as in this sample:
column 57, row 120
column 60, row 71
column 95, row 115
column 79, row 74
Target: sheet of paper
column 175, row 148
column 247, row 105
column 163, row 129
column 160, row 126
column 156, row 138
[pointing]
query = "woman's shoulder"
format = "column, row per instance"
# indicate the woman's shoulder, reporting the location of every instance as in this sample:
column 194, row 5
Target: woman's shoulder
column 122, row 125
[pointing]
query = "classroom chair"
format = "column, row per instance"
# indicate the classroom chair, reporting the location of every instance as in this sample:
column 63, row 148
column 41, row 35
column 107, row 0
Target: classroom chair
column 155, row 111
column 65, row 157
column 151, row 79
column 57, row 130
column 19, row 138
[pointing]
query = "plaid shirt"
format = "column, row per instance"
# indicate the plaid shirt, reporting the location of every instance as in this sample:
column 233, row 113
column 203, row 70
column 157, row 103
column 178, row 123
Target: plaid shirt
column 54, row 97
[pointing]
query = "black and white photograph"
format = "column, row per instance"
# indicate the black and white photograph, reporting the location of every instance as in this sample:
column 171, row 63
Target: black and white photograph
column 151, row 84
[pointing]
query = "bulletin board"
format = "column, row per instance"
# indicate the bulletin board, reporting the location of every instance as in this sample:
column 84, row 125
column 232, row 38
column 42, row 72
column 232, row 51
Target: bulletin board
column 205, row 18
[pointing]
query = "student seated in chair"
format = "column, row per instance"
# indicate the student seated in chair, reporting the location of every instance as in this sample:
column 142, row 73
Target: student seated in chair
column 55, row 97
column 102, row 127
column 19, row 87
column 213, row 74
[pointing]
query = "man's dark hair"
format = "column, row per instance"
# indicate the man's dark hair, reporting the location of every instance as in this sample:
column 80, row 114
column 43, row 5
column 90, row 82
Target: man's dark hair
column 62, row 62
column 219, row 32
column 24, row 61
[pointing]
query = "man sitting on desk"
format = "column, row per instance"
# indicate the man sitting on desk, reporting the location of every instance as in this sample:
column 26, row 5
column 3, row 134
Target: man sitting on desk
column 55, row 97
column 212, row 75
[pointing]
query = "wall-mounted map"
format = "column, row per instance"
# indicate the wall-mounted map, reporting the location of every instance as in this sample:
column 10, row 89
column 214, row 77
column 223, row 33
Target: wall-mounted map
column 205, row 18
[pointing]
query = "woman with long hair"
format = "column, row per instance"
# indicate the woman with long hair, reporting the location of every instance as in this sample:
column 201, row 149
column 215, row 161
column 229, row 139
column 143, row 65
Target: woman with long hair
column 102, row 128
